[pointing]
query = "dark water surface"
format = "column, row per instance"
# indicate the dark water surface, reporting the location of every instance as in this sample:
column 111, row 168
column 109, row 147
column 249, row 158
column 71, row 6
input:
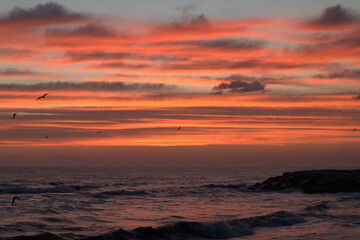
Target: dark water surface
column 74, row 203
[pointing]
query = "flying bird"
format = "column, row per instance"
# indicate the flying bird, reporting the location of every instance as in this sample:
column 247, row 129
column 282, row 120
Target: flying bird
column 46, row 137
column 98, row 132
column 14, row 115
column 178, row 128
column 43, row 96
column 13, row 200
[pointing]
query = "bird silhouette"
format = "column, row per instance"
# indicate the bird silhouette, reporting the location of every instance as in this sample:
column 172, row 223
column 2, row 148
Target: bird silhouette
column 13, row 200
column 98, row 132
column 46, row 137
column 43, row 96
column 14, row 115
column 178, row 128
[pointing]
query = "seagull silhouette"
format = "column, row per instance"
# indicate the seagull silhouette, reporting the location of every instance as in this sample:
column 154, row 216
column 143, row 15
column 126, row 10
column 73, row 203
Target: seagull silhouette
column 13, row 200
column 98, row 132
column 43, row 96
column 14, row 115
column 178, row 128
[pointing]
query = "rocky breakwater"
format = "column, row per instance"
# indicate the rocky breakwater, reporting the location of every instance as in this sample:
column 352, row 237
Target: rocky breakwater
column 314, row 181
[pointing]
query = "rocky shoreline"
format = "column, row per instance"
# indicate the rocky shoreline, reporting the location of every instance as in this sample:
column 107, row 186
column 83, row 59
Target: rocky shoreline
column 313, row 181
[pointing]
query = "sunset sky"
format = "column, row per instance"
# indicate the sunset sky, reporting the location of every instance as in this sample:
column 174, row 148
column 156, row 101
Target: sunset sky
column 251, row 83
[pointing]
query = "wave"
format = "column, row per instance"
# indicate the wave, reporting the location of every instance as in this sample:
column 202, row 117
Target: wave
column 190, row 230
column 229, row 186
column 57, row 220
column 120, row 192
column 76, row 187
column 56, row 183
column 41, row 236
column 22, row 190
column 39, row 190
column 85, row 187
column 321, row 206
column 349, row 198
column 24, row 227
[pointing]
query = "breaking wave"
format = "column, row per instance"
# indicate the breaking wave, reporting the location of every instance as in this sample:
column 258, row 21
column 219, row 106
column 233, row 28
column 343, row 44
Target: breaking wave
column 190, row 230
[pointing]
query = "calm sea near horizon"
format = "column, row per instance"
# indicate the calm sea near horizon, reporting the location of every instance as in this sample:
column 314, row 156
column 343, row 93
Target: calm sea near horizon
column 74, row 203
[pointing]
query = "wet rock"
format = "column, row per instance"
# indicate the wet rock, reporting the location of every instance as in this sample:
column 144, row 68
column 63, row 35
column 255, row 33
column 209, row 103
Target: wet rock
column 315, row 181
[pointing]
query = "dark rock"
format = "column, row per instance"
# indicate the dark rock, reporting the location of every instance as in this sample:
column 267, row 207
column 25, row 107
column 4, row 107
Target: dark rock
column 315, row 181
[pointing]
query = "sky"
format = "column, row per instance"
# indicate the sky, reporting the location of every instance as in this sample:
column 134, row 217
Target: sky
column 250, row 83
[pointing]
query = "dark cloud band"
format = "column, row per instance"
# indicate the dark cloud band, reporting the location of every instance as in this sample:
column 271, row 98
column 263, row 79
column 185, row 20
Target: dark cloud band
column 238, row 86
column 46, row 11
column 335, row 15
column 8, row 72
column 88, row 86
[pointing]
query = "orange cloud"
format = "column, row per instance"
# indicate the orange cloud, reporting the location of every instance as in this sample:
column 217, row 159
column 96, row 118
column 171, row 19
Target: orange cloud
column 284, row 83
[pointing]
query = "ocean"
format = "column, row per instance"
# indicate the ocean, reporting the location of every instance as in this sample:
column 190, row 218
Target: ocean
column 167, row 203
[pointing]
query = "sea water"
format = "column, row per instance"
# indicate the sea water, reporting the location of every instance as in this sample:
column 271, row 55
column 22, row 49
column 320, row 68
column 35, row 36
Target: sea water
column 170, row 203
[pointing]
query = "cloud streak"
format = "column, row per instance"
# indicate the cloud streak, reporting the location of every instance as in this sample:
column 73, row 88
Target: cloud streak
column 151, row 127
column 88, row 86
column 9, row 72
column 38, row 15
column 225, row 44
column 345, row 73
column 193, row 23
column 238, row 86
column 142, row 80
column 88, row 30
